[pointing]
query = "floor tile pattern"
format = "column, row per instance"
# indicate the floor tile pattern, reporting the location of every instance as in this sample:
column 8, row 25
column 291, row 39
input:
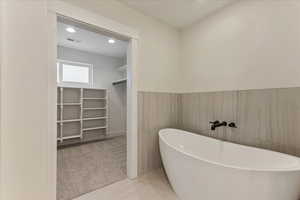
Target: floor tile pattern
column 151, row 186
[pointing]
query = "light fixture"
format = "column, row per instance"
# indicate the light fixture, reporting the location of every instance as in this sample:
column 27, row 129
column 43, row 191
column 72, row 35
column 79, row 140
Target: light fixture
column 70, row 30
column 111, row 41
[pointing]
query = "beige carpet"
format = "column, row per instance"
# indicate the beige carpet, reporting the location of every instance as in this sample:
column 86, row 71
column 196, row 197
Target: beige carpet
column 88, row 167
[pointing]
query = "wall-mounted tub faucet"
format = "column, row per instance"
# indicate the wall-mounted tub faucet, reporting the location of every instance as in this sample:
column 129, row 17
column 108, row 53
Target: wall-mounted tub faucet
column 214, row 122
column 232, row 125
column 217, row 124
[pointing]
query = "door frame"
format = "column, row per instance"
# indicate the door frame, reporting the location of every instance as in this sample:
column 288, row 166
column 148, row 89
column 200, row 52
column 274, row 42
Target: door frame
column 59, row 8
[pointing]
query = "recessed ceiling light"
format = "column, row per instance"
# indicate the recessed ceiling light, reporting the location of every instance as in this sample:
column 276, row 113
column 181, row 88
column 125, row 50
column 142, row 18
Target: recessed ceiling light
column 111, row 41
column 70, row 30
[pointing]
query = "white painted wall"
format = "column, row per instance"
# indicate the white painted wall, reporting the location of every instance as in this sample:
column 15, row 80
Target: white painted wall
column 25, row 170
column 249, row 45
column 27, row 141
column 105, row 71
column 158, row 66
column 27, row 156
column 253, row 44
column 1, row 64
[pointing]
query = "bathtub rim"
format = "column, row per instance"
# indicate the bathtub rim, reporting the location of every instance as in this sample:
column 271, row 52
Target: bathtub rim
column 294, row 169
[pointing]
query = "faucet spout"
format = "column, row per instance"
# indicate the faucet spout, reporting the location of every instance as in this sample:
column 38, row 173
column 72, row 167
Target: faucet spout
column 218, row 124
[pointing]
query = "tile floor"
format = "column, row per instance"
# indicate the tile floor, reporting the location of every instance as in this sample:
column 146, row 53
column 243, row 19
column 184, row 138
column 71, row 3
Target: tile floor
column 88, row 167
column 152, row 186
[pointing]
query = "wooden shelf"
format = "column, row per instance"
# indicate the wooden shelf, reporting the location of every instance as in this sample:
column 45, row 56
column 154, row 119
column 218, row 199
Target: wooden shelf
column 94, row 118
column 69, row 120
column 69, row 104
column 94, row 128
column 94, row 108
column 85, row 99
column 71, row 137
column 94, row 98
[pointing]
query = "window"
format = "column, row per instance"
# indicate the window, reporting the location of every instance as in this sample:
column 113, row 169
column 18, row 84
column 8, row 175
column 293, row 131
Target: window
column 74, row 74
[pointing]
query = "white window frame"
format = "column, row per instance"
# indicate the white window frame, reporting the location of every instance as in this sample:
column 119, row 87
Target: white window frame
column 62, row 83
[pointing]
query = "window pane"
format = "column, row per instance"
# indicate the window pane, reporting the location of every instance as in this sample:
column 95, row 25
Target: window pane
column 78, row 74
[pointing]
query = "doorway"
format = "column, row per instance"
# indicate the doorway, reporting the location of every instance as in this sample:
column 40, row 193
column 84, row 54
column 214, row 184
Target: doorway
column 85, row 92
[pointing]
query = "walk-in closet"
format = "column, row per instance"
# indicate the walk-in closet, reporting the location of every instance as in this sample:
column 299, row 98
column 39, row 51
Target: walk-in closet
column 91, row 109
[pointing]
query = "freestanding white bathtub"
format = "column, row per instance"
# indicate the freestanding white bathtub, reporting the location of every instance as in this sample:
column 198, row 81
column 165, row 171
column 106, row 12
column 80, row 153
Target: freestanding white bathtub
column 202, row 168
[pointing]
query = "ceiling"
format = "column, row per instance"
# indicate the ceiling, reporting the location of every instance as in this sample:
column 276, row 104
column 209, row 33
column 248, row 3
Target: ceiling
column 86, row 40
column 178, row 13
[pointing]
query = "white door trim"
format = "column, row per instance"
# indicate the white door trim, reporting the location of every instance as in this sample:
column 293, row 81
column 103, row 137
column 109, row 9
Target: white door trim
column 59, row 8
column 92, row 18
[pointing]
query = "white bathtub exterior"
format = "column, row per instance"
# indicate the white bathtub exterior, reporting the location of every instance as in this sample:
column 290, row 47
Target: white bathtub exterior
column 202, row 168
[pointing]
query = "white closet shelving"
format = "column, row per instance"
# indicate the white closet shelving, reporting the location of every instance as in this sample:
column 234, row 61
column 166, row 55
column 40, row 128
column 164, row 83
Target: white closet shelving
column 81, row 114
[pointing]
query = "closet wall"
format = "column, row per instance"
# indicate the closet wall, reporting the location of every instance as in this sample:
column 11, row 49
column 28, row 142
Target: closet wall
column 105, row 71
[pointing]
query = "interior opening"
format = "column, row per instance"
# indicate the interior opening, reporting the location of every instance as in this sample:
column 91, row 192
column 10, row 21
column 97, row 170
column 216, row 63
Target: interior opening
column 91, row 108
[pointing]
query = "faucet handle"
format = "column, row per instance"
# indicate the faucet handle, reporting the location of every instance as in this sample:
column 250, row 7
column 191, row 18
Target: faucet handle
column 232, row 125
column 214, row 122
